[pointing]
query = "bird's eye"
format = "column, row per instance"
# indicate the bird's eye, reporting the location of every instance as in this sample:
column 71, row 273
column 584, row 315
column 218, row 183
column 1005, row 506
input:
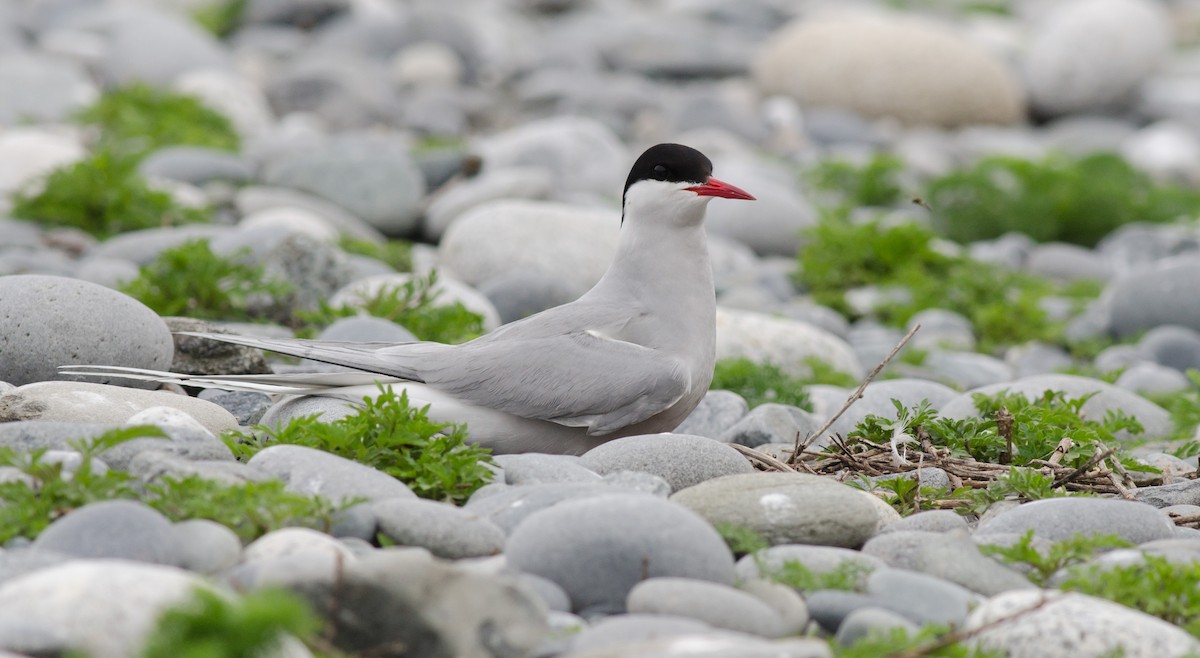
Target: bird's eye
column 660, row 169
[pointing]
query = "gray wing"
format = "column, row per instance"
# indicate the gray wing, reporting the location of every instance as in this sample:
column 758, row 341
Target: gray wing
column 578, row 379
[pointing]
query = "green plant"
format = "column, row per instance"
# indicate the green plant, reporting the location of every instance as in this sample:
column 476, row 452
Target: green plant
column 137, row 119
column 102, row 195
column 1184, row 407
column 930, row 640
column 413, row 305
column 1157, row 586
column 396, row 253
column 46, row 492
column 741, row 540
column 220, row 17
column 1057, row 198
column 211, row 625
column 1060, row 554
column 874, row 183
column 434, row 459
column 1004, row 306
column 759, row 383
column 848, row 575
column 191, row 280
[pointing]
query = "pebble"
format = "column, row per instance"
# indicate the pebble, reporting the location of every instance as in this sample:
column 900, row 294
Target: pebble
column 682, row 460
column 1068, row 624
column 318, row 473
column 819, row 560
column 870, row 620
column 597, row 549
column 581, row 155
column 719, row 606
column 42, row 89
column 786, row 508
column 1172, row 346
column 771, row 423
column 1058, row 519
column 50, row 401
column 951, row 557
column 52, row 435
column 206, row 547
column 785, row 343
column 41, row 328
column 446, row 531
column 717, row 412
column 113, row 529
column 508, row 507
column 537, row 468
column 1154, row 294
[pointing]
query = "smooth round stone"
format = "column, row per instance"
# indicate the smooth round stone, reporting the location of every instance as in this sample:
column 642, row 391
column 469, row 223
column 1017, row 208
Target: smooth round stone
column 948, row 556
column 597, row 549
column 1172, row 346
column 571, row 245
column 614, row 631
column 817, row 559
column 966, row 369
column 921, row 597
column 639, row 482
column 145, row 245
column 1068, row 262
column 1156, row 293
column 581, row 154
column 771, row 423
column 929, row 521
column 49, row 321
column 1153, row 379
column 872, row 620
column 510, row 506
column 42, row 89
column 773, row 224
column 196, row 165
column 447, row 531
column 156, row 47
column 717, row 412
column 537, row 468
column 286, row 219
column 719, row 606
column 942, row 330
column 1058, row 519
column 1079, row 625
column 345, row 90
column 113, row 529
column 870, row 65
column 106, row 608
column 290, row 408
column 318, row 473
column 551, row 594
column 830, row 608
column 108, row 272
column 682, row 460
column 489, row 185
column 1037, row 359
column 238, row 98
column 786, row 343
column 247, row 407
column 1093, row 55
column 294, row 542
column 32, row 435
column 206, row 547
column 447, row 291
column 1167, row 150
column 1154, row 419
column 26, row 154
column 100, row 403
column 786, row 508
column 253, row 199
column 519, row 295
column 374, row 177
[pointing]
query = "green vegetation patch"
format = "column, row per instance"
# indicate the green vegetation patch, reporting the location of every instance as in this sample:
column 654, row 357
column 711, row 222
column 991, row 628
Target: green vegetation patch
column 190, row 280
column 102, row 195
column 1054, row 199
column 1158, row 586
column 45, row 492
column 138, row 119
column 396, row 253
column 434, row 459
column 220, row 17
column 1004, row 306
column 760, row 383
column 209, row 625
column 874, row 183
column 1041, row 566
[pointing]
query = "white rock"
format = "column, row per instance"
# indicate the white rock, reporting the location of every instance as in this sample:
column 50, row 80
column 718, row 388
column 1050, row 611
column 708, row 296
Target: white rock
column 915, row 70
column 292, row 541
column 1166, row 150
column 1071, row 625
column 101, row 403
column 166, row 417
column 236, row 97
column 26, row 154
column 292, row 219
column 1090, row 55
column 427, row 63
column 785, row 343
column 570, row 244
column 584, row 155
column 491, row 184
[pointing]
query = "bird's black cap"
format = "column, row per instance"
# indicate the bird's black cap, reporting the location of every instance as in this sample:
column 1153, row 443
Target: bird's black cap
column 673, row 163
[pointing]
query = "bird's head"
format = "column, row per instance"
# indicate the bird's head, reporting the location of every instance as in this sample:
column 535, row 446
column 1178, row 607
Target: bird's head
column 674, row 182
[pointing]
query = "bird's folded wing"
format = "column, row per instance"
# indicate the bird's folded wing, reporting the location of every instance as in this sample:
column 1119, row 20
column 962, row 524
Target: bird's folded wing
column 578, row 379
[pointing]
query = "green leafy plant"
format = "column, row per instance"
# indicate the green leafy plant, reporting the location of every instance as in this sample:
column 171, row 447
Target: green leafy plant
column 741, row 540
column 102, row 195
column 45, row 492
column 434, row 459
column 759, row 383
column 1157, row 586
column 413, row 305
column 848, row 575
column 191, row 280
column 1184, row 407
column 1060, row 554
column 210, row 625
column 874, row 183
column 930, row 640
column 1057, row 198
column 1004, row 306
column 396, row 253
column 220, row 17
column 137, row 119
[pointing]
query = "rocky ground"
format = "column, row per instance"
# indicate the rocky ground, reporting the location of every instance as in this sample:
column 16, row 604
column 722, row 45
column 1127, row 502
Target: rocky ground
column 497, row 136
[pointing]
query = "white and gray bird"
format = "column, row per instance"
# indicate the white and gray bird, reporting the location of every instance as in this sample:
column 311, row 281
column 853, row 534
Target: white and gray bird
column 634, row 355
